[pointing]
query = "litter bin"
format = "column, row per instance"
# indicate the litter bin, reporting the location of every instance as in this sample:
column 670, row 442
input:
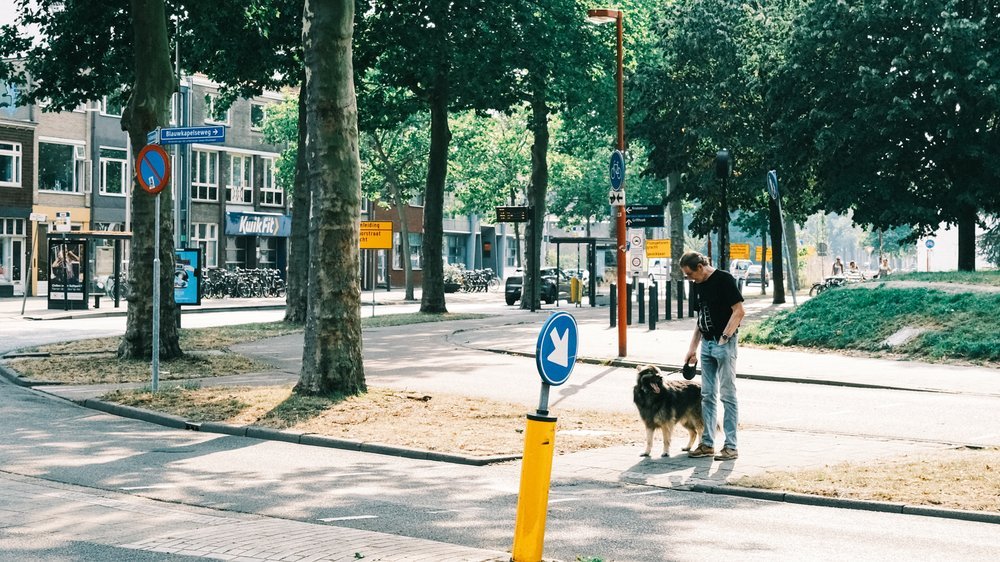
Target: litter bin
column 574, row 290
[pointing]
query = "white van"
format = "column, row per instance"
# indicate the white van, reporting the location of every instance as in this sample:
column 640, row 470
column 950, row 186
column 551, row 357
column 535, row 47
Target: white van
column 739, row 268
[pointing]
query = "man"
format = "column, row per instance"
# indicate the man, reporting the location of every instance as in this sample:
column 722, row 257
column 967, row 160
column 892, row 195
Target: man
column 720, row 311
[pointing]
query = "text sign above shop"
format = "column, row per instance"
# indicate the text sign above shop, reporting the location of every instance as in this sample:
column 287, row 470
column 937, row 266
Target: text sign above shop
column 258, row 224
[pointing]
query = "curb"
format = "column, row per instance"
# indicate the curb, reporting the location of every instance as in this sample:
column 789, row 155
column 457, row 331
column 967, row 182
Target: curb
column 11, row 375
column 843, row 503
column 269, row 434
column 116, row 313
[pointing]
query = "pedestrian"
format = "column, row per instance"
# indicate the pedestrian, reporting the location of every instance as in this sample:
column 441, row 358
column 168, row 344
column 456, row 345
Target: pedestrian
column 720, row 310
column 883, row 268
column 838, row 267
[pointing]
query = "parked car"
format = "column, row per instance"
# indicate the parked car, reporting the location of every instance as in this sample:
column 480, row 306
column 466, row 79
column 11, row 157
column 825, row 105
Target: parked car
column 659, row 270
column 756, row 274
column 739, row 268
column 555, row 284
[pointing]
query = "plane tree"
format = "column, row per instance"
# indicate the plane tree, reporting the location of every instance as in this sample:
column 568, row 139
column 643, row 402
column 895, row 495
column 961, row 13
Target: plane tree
column 896, row 108
column 66, row 54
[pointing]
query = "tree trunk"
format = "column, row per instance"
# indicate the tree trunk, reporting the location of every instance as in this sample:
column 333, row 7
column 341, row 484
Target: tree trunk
column 763, row 253
column 676, row 207
column 331, row 356
column 432, row 297
column 536, row 198
column 404, row 241
column 967, row 238
column 296, row 300
column 147, row 108
column 778, row 277
column 793, row 251
column 724, row 229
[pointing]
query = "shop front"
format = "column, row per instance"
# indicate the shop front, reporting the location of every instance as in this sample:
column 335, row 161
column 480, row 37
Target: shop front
column 13, row 253
column 257, row 241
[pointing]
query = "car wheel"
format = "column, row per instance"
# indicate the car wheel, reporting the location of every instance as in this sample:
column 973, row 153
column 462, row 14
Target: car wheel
column 511, row 299
column 550, row 296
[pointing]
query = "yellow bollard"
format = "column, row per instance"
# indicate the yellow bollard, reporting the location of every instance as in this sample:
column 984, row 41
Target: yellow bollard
column 533, row 497
column 574, row 290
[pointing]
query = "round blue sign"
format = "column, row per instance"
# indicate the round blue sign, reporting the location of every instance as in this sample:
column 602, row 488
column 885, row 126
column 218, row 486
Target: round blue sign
column 772, row 184
column 617, row 170
column 555, row 354
column 929, row 243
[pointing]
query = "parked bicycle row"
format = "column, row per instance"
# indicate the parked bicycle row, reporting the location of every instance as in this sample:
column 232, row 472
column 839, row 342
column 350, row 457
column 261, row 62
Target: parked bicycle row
column 242, row 283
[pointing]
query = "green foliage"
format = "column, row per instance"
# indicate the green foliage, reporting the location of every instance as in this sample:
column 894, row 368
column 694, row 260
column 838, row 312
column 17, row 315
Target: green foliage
column 988, row 278
column 989, row 244
column 490, row 159
column 394, row 161
column 959, row 325
column 282, row 128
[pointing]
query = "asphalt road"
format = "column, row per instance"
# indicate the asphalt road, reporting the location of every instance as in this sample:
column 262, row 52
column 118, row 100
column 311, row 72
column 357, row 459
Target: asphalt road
column 50, row 439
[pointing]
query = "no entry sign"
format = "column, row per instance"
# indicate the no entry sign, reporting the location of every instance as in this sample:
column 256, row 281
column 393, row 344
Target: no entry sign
column 153, row 168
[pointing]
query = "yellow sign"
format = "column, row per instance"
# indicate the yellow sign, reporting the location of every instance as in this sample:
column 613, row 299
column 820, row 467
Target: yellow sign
column 658, row 248
column 759, row 252
column 376, row 235
column 739, row 251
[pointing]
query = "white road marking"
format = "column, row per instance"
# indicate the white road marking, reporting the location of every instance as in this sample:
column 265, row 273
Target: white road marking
column 561, row 500
column 349, row 518
column 645, row 493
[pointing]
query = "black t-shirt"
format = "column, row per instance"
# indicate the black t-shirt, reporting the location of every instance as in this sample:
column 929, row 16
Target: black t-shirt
column 714, row 300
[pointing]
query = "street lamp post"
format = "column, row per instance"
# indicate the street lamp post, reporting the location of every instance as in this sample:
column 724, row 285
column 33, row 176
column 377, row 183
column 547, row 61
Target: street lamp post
column 598, row 17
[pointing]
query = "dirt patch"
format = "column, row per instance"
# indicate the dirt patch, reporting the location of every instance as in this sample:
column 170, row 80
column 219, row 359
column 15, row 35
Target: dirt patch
column 957, row 479
column 435, row 422
column 105, row 368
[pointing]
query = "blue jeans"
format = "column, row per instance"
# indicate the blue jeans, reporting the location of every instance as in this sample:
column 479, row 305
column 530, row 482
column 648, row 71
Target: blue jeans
column 718, row 376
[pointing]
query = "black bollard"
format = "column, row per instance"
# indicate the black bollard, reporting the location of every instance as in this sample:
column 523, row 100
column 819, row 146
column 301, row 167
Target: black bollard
column 653, row 306
column 628, row 304
column 680, row 299
column 641, row 300
column 666, row 300
column 690, row 299
column 613, row 304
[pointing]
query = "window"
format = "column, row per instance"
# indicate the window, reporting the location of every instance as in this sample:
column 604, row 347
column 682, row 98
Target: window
column 112, row 106
column 267, row 252
column 240, row 188
column 206, row 237
column 258, row 114
column 10, row 164
column 416, row 250
column 57, row 167
column 12, row 227
column 205, row 176
column 511, row 251
column 213, row 113
column 114, row 171
column 236, row 251
column 456, row 249
column 270, row 194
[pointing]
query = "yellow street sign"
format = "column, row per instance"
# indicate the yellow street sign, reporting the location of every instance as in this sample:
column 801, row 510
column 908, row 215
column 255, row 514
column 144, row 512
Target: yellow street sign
column 658, row 248
column 768, row 253
column 739, row 251
column 376, row 235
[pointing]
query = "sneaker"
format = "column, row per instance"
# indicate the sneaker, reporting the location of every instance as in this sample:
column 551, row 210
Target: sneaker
column 703, row 450
column 727, row 454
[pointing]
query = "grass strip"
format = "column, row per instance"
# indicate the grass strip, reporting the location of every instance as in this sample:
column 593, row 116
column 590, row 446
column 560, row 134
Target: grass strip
column 990, row 278
column 107, row 369
column 956, row 479
column 437, row 422
column 958, row 325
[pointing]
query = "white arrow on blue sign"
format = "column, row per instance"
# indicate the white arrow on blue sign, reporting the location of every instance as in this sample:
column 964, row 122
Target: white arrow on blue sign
column 616, row 170
column 555, row 354
column 772, row 184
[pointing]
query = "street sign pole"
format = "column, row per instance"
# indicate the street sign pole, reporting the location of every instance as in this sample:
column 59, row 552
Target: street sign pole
column 772, row 187
column 153, row 174
column 156, row 295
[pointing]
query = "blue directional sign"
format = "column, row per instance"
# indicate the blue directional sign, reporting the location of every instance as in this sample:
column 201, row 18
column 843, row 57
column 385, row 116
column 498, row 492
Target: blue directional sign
column 772, row 184
column 555, row 354
column 189, row 135
column 153, row 137
column 617, row 170
column 929, row 244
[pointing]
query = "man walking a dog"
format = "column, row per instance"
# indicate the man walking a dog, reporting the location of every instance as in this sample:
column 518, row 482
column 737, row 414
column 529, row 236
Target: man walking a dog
column 720, row 311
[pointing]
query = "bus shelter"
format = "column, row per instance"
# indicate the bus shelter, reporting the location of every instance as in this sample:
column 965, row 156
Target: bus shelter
column 590, row 264
column 85, row 265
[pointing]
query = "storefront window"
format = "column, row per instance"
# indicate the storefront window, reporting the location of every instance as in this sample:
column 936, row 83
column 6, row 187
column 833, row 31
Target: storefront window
column 206, row 237
column 455, row 248
column 267, row 252
column 10, row 164
column 236, row 251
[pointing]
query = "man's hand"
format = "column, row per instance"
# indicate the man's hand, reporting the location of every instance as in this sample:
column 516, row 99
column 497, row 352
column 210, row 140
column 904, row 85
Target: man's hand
column 692, row 357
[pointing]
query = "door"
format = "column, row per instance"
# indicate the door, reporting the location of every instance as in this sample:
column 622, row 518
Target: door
column 17, row 265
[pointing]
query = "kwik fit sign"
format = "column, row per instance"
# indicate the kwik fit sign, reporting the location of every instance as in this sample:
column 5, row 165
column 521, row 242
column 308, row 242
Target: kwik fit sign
column 258, row 224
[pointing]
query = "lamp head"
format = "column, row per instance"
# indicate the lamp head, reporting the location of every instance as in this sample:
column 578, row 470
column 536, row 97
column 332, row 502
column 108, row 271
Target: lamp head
column 601, row 16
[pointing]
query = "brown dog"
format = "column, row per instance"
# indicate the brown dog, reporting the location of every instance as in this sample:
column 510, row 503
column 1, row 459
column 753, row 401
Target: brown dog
column 665, row 404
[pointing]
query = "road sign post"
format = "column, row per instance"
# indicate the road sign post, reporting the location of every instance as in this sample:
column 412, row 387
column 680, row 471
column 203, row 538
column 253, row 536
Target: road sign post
column 153, row 174
column 375, row 235
column 772, row 189
column 555, row 356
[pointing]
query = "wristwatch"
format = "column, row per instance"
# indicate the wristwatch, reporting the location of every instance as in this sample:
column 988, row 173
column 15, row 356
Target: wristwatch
column 724, row 336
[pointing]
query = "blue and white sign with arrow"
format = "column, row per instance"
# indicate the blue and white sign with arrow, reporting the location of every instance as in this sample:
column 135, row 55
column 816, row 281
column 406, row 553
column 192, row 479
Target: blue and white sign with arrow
column 190, row 135
column 555, row 354
column 616, row 170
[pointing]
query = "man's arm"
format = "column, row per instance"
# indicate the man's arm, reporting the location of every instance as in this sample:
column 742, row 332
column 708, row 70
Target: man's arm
column 734, row 321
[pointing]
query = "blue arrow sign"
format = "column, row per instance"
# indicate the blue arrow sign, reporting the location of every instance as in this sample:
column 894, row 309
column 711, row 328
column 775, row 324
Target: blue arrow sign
column 772, row 184
column 555, row 354
column 189, row 135
column 617, row 170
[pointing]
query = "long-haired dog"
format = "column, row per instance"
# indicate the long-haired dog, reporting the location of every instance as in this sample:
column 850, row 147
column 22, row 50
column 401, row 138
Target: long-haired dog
column 665, row 404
